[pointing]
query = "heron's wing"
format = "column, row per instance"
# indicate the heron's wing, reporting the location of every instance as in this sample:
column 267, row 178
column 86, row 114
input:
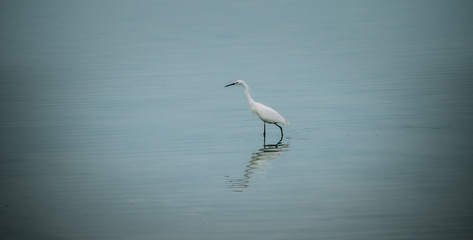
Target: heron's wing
column 268, row 114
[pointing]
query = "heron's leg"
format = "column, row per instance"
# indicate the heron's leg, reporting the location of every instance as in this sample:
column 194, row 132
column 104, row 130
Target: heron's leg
column 264, row 133
column 282, row 134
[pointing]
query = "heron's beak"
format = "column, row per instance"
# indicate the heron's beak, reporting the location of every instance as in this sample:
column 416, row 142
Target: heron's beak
column 231, row 84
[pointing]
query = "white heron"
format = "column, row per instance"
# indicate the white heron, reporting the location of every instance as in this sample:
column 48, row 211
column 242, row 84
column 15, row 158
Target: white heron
column 265, row 113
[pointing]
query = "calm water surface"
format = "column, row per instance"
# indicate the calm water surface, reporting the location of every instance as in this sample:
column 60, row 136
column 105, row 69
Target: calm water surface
column 116, row 125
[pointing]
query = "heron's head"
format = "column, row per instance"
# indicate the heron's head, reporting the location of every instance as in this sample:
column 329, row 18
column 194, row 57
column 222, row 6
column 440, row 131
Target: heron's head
column 238, row 82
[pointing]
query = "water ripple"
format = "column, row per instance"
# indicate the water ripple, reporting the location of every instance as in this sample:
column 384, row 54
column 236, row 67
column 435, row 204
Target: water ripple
column 259, row 163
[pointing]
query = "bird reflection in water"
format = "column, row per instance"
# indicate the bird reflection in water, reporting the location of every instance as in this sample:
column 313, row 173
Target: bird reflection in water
column 259, row 163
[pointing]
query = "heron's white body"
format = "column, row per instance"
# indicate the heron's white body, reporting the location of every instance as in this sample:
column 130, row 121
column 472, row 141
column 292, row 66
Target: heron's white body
column 265, row 113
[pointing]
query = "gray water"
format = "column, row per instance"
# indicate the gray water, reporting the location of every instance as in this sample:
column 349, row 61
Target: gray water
column 115, row 123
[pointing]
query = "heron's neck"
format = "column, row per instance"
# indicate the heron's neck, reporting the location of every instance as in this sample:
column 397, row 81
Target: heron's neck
column 248, row 96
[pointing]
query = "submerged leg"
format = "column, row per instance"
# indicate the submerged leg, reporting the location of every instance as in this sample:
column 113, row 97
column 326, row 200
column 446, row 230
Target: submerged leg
column 282, row 134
